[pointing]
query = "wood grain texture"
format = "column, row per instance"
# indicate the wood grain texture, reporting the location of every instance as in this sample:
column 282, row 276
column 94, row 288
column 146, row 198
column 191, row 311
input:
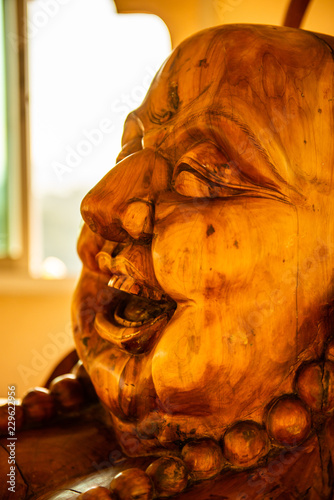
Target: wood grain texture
column 218, row 212
column 204, row 223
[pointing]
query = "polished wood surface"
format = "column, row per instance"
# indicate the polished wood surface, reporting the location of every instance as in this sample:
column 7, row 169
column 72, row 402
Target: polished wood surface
column 215, row 231
column 224, row 169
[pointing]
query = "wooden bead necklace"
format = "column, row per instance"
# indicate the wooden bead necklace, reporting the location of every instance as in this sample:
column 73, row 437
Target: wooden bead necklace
column 287, row 424
column 67, row 394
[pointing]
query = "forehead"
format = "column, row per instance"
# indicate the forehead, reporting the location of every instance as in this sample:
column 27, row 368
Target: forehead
column 233, row 59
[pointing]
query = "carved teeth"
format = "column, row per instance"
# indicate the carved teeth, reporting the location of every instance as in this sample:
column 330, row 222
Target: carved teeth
column 129, row 285
column 112, row 281
column 124, row 283
column 135, row 289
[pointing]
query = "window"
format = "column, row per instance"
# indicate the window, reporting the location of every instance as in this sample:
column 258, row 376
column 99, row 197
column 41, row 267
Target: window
column 88, row 68
column 3, row 145
column 11, row 227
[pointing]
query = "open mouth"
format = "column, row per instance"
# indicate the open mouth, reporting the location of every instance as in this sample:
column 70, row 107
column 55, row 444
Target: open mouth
column 137, row 316
column 136, row 312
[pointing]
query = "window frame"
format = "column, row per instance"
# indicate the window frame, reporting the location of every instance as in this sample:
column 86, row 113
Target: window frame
column 16, row 108
column 14, row 268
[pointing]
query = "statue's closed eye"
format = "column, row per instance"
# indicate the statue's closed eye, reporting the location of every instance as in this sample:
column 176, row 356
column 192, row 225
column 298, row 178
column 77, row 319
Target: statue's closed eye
column 188, row 182
column 205, row 171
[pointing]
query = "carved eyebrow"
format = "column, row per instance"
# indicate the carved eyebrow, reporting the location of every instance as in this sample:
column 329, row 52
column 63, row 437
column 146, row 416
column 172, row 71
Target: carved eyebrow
column 132, row 124
column 245, row 128
column 249, row 133
column 134, row 117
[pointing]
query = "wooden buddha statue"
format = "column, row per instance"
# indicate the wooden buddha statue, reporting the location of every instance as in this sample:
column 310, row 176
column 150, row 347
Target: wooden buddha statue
column 203, row 314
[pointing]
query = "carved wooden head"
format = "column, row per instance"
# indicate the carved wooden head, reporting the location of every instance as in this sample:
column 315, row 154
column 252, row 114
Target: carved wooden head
column 208, row 249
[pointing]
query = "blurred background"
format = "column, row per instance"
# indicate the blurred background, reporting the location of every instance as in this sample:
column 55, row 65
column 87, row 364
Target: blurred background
column 71, row 70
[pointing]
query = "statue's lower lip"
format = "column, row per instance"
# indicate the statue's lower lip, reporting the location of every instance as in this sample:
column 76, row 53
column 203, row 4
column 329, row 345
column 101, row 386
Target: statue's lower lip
column 134, row 339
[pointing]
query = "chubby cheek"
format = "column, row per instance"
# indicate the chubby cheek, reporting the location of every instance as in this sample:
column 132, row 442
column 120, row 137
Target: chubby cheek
column 208, row 362
column 204, row 252
column 235, row 324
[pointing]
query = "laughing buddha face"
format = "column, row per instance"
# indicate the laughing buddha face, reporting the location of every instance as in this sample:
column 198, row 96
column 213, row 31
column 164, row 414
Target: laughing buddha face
column 207, row 250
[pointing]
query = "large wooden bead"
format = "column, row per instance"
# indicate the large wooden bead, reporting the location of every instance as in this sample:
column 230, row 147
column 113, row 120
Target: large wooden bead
column 245, row 443
column 68, row 392
column 14, row 411
column 38, row 405
column 315, row 385
column 131, row 484
column 204, row 458
column 169, row 476
column 289, row 422
column 96, row 493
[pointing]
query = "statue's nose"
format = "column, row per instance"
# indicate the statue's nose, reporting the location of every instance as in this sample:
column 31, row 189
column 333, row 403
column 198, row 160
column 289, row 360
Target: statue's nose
column 121, row 205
